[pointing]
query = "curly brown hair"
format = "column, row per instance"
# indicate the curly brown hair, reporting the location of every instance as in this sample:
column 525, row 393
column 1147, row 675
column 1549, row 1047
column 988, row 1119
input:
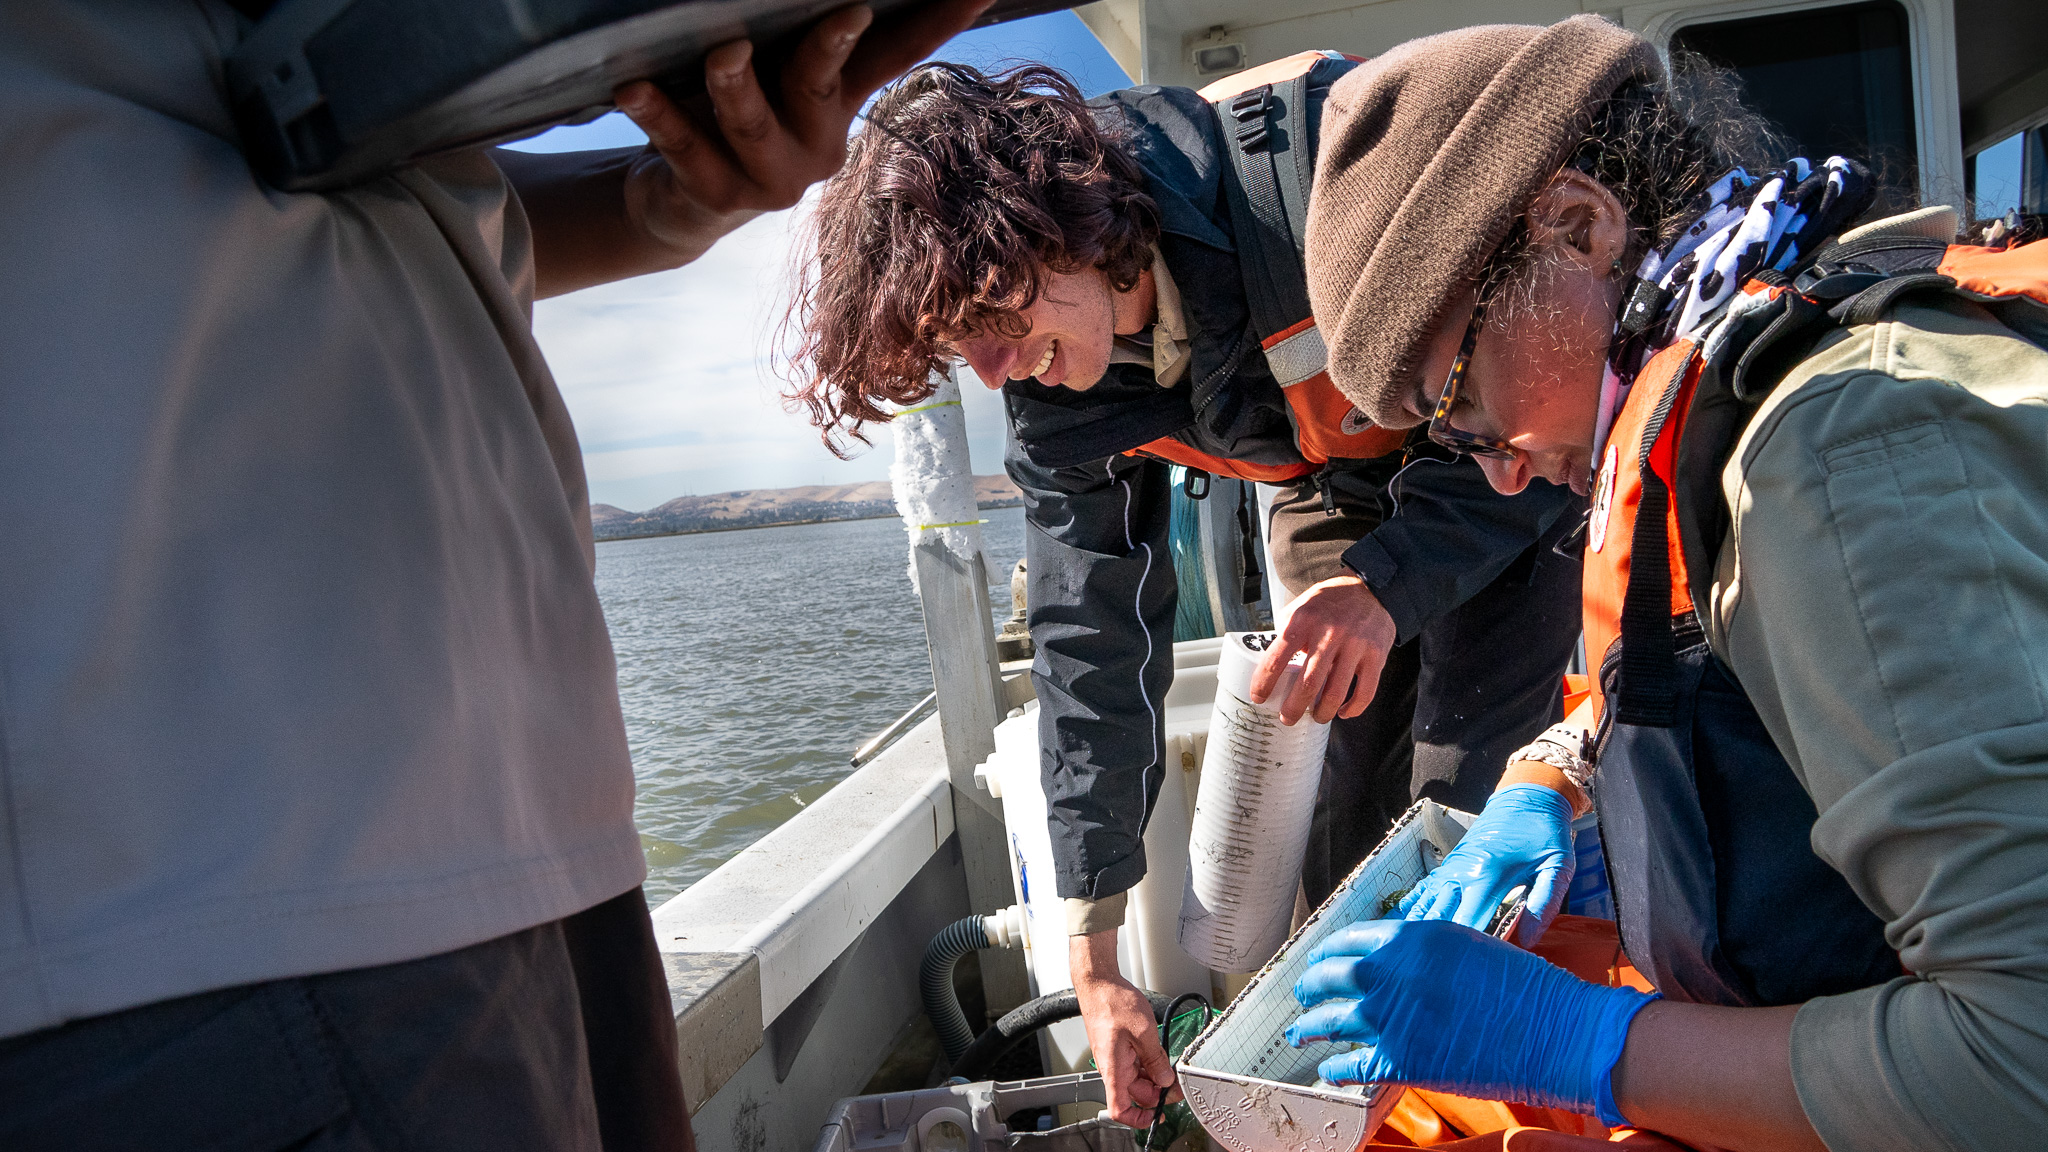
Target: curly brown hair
column 958, row 197
column 1657, row 145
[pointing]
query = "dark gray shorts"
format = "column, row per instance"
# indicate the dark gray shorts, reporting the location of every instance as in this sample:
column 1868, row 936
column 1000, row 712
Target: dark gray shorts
column 558, row 1038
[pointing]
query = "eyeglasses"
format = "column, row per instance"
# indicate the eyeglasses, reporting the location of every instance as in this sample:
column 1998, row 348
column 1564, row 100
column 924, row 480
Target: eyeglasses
column 1440, row 431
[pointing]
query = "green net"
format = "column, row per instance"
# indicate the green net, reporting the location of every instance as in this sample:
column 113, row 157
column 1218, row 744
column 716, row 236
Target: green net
column 1192, row 619
column 1177, row 1119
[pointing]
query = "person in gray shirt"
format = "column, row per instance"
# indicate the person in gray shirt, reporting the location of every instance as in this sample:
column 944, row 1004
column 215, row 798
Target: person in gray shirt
column 315, row 803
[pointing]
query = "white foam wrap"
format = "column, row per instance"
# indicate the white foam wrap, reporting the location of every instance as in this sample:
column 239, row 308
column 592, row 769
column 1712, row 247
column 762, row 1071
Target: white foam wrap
column 932, row 476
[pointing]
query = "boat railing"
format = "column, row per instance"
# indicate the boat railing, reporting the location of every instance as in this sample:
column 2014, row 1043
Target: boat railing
column 842, row 896
column 874, row 745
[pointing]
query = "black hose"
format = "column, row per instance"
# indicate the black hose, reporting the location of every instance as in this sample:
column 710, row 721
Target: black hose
column 935, row 982
column 1173, row 1009
column 1020, row 1022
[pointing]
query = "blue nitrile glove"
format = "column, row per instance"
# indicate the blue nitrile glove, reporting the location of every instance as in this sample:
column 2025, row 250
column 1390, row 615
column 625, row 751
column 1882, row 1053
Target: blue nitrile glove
column 1523, row 836
column 1453, row 1010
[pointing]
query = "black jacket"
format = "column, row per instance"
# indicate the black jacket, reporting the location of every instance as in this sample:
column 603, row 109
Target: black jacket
column 1102, row 590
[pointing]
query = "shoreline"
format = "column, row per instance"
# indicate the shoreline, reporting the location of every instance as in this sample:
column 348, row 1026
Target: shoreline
column 777, row 524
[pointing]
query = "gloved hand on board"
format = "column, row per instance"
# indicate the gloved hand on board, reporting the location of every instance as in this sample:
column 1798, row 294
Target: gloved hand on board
column 1453, row 1010
column 1523, row 836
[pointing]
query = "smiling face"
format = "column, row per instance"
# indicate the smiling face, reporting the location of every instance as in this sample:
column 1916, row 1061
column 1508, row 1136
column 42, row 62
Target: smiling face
column 1533, row 380
column 1073, row 326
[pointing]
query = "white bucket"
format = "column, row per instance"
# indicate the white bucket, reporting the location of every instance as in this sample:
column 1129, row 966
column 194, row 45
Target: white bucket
column 1252, row 813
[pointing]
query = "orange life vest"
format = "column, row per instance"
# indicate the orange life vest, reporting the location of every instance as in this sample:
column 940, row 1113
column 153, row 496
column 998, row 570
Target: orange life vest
column 1617, row 503
column 1254, row 106
column 1637, row 472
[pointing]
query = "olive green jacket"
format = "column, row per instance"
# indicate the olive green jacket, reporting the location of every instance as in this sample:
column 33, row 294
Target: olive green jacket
column 1883, row 598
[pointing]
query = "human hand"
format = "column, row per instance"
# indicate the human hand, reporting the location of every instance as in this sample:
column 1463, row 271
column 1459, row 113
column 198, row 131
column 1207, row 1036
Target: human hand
column 1453, row 1010
column 1122, row 1033
column 1340, row 624
column 1523, row 836
column 688, row 187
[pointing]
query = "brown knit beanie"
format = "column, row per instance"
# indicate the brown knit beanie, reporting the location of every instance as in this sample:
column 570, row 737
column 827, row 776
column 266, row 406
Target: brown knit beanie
column 1429, row 154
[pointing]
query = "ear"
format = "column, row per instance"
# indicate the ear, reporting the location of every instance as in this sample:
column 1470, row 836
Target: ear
column 1576, row 217
column 1131, row 311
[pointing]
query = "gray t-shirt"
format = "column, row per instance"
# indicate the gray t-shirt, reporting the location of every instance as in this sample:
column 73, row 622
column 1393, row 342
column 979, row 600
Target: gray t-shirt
column 301, row 665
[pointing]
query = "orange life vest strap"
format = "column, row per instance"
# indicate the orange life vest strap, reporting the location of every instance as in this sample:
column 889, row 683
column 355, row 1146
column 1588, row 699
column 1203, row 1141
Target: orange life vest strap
column 1630, row 514
column 1167, row 448
column 1265, row 119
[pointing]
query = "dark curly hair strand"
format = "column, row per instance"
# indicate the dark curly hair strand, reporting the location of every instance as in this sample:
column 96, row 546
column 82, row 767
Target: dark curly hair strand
column 960, row 195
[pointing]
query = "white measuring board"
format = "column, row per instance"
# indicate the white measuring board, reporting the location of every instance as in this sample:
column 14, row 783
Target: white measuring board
column 1252, row 1091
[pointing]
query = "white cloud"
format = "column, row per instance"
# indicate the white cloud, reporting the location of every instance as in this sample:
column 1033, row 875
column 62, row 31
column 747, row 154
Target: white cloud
column 668, row 375
column 670, row 383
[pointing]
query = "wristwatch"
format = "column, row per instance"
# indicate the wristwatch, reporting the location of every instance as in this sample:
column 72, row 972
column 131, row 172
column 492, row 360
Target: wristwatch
column 1569, row 749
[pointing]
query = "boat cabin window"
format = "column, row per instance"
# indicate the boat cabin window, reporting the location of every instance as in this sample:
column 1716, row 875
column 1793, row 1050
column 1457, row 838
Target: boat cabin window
column 1835, row 80
column 2009, row 176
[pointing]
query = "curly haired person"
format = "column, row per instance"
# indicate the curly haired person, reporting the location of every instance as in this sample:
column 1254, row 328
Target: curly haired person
column 1092, row 260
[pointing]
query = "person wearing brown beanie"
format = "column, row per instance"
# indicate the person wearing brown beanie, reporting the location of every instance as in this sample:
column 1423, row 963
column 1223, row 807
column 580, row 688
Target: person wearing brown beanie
column 1816, row 591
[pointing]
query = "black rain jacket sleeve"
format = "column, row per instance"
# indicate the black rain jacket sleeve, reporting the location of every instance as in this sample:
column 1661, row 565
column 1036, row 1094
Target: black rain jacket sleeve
column 1425, row 537
column 1102, row 599
column 1451, row 534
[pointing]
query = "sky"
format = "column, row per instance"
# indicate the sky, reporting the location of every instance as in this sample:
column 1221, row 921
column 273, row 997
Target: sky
column 668, row 376
column 1998, row 176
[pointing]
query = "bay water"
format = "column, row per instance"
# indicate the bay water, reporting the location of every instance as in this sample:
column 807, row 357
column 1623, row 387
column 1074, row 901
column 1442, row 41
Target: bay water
column 752, row 663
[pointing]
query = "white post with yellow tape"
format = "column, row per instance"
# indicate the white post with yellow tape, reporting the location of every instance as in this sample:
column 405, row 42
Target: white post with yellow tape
column 934, row 484
column 933, row 477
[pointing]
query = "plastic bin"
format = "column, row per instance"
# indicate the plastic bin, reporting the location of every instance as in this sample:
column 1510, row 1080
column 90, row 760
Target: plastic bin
column 1249, row 1089
column 970, row 1118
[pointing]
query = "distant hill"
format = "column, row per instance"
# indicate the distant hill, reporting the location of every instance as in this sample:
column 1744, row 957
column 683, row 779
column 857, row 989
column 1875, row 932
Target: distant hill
column 761, row 507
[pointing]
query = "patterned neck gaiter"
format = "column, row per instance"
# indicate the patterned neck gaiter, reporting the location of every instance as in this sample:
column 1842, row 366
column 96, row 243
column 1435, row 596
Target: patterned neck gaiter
column 1746, row 225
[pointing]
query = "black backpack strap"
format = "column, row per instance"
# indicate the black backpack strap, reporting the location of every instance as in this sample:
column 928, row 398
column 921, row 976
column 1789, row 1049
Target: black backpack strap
column 1866, row 306
column 1721, row 408
column 1272, row 162
column 1648, row 692
column 1890, row 255
column 1844, row 285
column 1858, row 280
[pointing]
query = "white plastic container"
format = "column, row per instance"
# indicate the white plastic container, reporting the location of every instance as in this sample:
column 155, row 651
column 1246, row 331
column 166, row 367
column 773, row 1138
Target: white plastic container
column 1148, row 953
column 1251, row 823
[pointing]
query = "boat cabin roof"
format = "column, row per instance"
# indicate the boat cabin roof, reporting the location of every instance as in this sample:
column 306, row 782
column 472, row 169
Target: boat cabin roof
column 1920, row 86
